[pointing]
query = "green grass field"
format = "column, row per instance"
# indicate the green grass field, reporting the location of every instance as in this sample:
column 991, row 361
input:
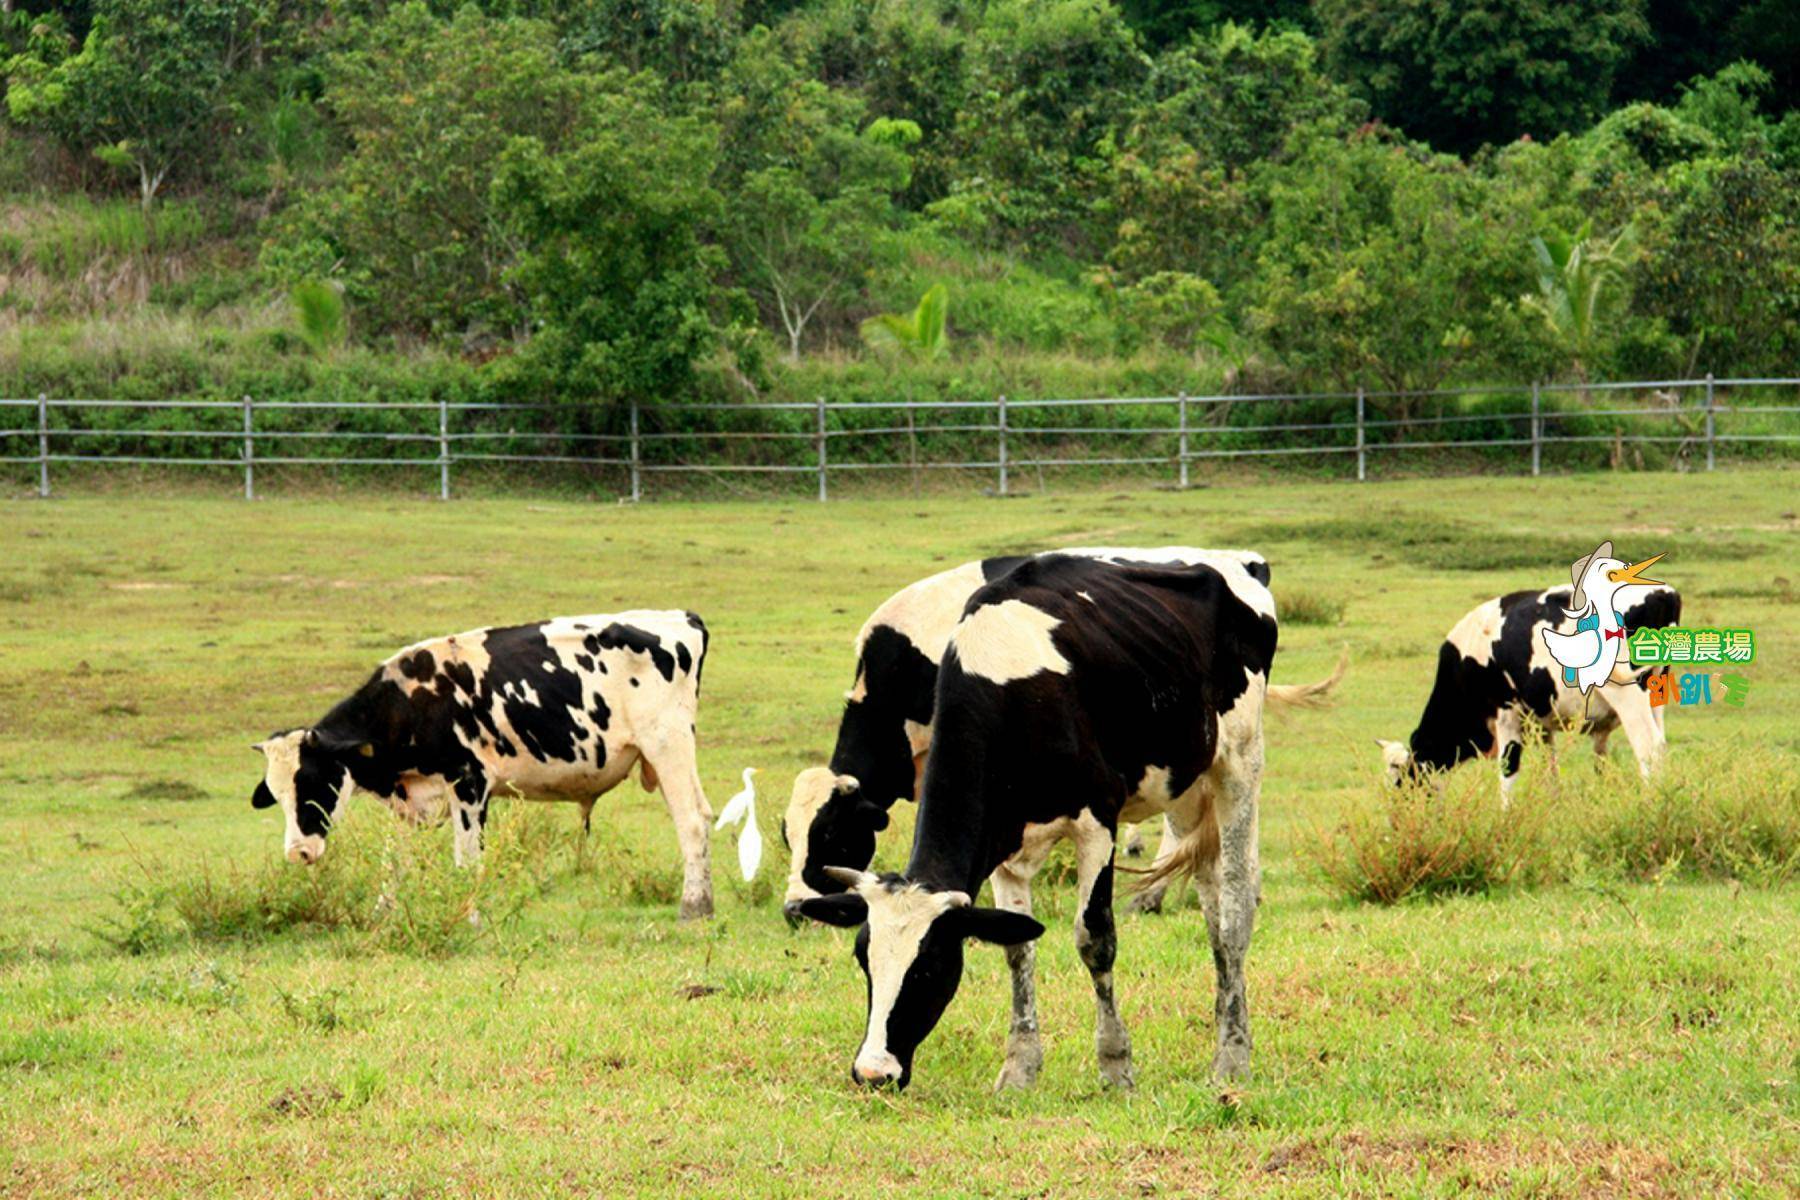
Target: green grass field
column 1592, row 1038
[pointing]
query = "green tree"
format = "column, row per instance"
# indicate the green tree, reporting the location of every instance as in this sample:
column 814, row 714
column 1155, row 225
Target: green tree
column 146, row 92
column 1385, row 266
column 1722, row 272
column 1052, row 83
column 1461, row 73
column 430, row 106
column 614, row 271
column 1180, row 189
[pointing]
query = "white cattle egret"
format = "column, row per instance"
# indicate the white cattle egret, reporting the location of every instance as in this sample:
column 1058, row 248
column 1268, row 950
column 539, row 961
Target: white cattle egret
column 743, row 807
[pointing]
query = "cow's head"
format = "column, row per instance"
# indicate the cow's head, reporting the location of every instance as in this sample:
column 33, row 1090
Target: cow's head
column 911, row 950
column 1397, row 760
column 308, row 775
column 828, row 821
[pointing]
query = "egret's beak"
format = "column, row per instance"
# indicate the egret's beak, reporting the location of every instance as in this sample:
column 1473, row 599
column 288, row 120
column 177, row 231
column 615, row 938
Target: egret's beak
column 1632, row 573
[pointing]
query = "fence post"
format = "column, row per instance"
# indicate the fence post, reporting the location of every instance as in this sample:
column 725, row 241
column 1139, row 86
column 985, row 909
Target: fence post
column 43, row 446
column 821, row 449
column 637, row 458
column 1709, row 420
column 1537, row 431
column 443, row 448
column 249, row 455
column 1362, row 441
column 1181, row 409
column 1001, row 407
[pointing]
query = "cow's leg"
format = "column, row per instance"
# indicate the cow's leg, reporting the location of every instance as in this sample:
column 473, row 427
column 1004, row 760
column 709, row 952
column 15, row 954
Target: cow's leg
column 1150, row 899
column 1638, row 720
column 587, row 817
column 1024, row 1051
column 471, row 805
column 672, row 759
column 1228, row 896
column 1132, row 844
column 1097, row 941
column 1509, row 734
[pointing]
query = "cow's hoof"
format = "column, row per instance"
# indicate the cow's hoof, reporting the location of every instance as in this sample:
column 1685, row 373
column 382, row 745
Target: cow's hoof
column 1116, row 1072
column 697, row 910
column 1150, row 901
column 1023, row 1062
column 1231, row 1062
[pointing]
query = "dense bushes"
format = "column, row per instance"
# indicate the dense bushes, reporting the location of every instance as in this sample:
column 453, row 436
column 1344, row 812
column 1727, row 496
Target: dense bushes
column 584, row 201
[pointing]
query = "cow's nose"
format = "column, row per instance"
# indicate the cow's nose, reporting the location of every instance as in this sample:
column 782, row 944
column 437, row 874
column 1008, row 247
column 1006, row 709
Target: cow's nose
column 302, row 855
column 791, row 910
column 873, row 1077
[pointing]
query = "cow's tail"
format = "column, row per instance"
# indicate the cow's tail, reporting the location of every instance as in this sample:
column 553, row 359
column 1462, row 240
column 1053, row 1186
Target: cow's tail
column 1195, row 852
column 1316, row 694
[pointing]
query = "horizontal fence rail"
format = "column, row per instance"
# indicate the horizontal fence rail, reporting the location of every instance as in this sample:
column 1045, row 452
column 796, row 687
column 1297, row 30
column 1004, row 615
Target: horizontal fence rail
column 1684, row 423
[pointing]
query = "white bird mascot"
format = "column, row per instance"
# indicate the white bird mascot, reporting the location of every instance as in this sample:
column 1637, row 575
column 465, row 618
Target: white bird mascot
column 743, row 807
column 1589, row 654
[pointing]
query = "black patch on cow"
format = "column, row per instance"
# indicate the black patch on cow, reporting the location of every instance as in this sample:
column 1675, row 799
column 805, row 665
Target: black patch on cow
column 619, row 636
column 684, row 658
column 585, row 661
column 600, row 714
column 693, row 619
column 262, row 797
column 420, row 665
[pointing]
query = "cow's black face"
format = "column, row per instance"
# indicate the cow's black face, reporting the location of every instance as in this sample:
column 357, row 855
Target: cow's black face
column 309, row 781
column 910, row 948
column 828, row 823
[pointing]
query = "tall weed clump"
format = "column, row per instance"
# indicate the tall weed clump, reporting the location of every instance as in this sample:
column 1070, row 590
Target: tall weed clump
column 1438, row 836
column 1733, row 814
column 1727, row 814
column 390, row 885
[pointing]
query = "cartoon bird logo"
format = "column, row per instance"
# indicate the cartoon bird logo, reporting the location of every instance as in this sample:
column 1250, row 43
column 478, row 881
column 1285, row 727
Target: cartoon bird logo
column 1588, row 655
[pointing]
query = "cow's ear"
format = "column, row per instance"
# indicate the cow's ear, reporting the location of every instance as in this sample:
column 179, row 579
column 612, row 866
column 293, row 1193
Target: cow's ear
column 262, row 797
column 846, row 910
column 341, row 746
column 996, row 926
column 876, row 815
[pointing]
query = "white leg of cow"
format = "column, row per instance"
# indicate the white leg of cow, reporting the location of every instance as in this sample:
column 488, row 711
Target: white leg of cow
column 471, row 805
column 673, row 762
column 1097, row 941
column 1509, row 736
column 1150, row 899
column 1228, row 896
column 1639, row 722
column 1024, row 1050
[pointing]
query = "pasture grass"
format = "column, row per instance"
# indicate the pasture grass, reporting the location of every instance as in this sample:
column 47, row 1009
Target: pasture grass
column 181, row 1013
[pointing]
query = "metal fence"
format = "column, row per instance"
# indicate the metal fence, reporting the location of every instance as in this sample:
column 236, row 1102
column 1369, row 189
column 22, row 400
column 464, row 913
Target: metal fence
column 1678, row 420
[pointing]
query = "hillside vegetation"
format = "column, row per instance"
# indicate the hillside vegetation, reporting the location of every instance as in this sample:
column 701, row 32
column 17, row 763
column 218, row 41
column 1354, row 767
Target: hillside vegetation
column 586, row 200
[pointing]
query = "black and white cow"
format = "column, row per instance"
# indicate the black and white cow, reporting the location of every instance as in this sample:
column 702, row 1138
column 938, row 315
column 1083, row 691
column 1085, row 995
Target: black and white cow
column 559, row 710
column 835, row 812
column 1074, row 694
column 1494, row 672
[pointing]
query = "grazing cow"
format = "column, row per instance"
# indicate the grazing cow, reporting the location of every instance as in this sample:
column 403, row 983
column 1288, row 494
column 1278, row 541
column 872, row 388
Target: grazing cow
column 559, row 710
column 1074, row 694
column 1494, row 671
column 835, row 812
